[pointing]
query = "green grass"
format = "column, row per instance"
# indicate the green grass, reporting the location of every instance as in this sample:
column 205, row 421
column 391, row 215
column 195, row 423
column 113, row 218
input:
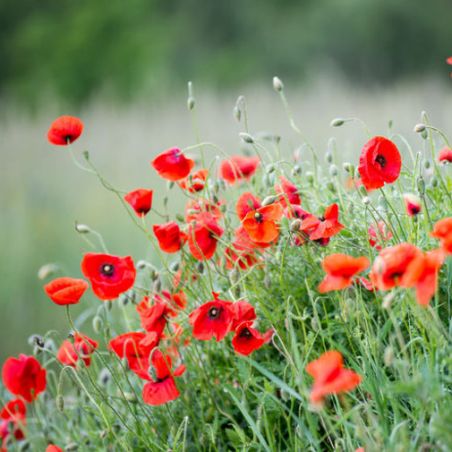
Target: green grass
column 228, row 402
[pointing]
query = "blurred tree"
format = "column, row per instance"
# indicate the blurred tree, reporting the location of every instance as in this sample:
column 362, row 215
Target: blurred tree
column 75, row 49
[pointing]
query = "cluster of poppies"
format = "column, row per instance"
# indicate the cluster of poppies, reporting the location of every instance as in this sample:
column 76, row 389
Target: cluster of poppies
column 153, row 352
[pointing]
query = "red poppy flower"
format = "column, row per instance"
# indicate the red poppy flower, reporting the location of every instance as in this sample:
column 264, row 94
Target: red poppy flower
column 173, row 165
column 261, row 224
column 109, row 275
column 393, row 264
column 445, row 155
column 24, row 377
column 203, row 235
column 65, row 130
column 288, row 192
column 82, row 348
column 63, row 291
column 449, row 60
column 323, row 227
column 340, row 269
column 379, row 236
column 247, row 339
column 242, row 240
column 238, row 168
column 246, row 203
column 176, row 300
column 53, row 448
column 195, row 182
column 194, row 207
column 212, row 319
column 443, row 231
column 140, row 200
column 13, row 419
column 380, row 163
column 170, row 237
column 425, row 282
column 330, row 377
column 135, row 347
column 154, row 315
column 162, row 388
column 412, row 204
column 243, row 312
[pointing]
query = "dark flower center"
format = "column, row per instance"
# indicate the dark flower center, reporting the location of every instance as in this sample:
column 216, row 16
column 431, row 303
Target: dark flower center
column 396, row 275
column 214, row 313
column 258, row 217
column 381, row 160
column 107, row 269
column 245, row 333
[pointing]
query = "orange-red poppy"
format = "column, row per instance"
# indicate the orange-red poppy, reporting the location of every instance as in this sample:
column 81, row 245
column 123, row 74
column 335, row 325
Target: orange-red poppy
column 65, row 290
column 247, row 202
column 203, row 234
column 247, row 339
column 323, row 227
column 140, row 200
column 340, row 270
column 261, row 224
column 173, row 165
column 330, row 377
column 380, row 162
column 82, row 348
column 238, row 167
column 445, row 155
column 443, row 231
column 169, row 236
column 65, row 130
column 194, row 207
column 288, row 192
column 13, row 420
column 412, row 204
column 194, row 182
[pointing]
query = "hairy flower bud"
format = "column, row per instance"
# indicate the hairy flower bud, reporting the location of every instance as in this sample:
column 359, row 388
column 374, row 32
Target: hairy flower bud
column 296, row 170
column 269, row 200
column 333, row 170
column 418, row 128
column 295, row 225
column 97, row 324
column 47, row 270
column 337, row 122
column 309, row 177
column 246, row 137
column 82, row 228
column 388, row 357
column 328, row 157
column 59, row 402
column 278, row 85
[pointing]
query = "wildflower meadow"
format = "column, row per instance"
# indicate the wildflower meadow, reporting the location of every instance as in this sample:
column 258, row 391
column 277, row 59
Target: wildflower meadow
column 299, row 304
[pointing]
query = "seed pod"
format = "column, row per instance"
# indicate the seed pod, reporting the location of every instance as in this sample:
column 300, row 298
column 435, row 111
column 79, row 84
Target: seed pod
column 278, row 85
column 333, row 171
column 82, row 228
column 59, row 402
column 296, row 170
column 427, row 164
column 331, row 187
column 200, row 267
column 337, row 122
column 434, row 182
column 246, row 137
column 418, row 128
column 157, row 287
column 328, row 157
column 47, row 270
column 269, row 200
column 421, row 185
column 97, row 324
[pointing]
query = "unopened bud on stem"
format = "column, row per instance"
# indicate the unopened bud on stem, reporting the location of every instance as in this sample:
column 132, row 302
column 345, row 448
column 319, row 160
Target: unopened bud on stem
column 278, row 85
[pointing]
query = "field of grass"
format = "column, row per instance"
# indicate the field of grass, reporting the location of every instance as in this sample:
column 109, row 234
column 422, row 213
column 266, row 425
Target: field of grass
column 227, row 401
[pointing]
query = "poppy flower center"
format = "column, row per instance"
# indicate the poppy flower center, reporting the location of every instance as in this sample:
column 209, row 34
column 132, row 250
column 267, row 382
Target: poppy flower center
column 381, row 160
column 245, row 333
column 258, row 217
column 107, row 269
column 214, row 313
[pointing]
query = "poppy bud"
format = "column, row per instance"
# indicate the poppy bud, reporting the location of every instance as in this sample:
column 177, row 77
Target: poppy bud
column 104, row 376
column 97, row 324
column 82, row 228
column 270, row 168
column 296, row 170
column 388, row 357
column 295, row 225
column 130, row 397
column 85, row 155
column 191, row 103
column 421, row 185
column 157, row 287
column 47, row 270
column 349, row 168
column 366, row 200
column 180, row 217
column 71, row 447
column 269, row 200
column 174, row 267
column 331, row 187
column 237, row 113
column 434, row 182
column 337, row 122
column 123, row 299
column 24, row 446
column 246, row 137
column 200, row 267
column 277, row 84
column 328, row 157
column 333, row 170
column 418, row 128
column 37, row 340
column 59, row 402
column 427, row 164
column 309, row 177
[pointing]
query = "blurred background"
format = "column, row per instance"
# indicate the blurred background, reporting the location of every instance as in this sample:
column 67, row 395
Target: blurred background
column 123, row 68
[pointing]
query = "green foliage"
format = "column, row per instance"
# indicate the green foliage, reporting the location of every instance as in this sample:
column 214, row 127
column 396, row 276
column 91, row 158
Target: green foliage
column 77, row 49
